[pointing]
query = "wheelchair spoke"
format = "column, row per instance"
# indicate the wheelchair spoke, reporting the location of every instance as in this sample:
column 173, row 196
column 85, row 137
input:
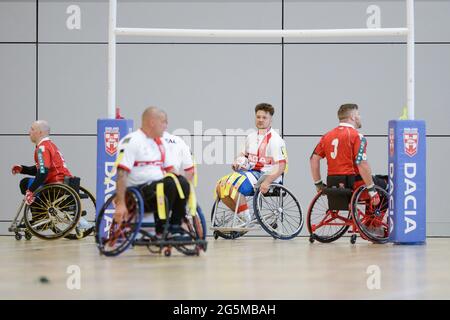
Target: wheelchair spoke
column 47, row 200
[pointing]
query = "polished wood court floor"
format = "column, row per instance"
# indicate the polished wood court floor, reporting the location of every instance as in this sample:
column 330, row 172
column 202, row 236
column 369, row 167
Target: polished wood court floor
column 246, row 268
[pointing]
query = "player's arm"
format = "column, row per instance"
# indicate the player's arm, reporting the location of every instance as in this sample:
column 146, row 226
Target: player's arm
column 278, row 152
column 364, row 168
column 125, row 160
column 42, row 169
column 121, row 186
column 43, row 165
column 187, row 163
column 242, row 153
column 314, row 163
column 366, row 172
column 280, row 167
column 189, row 173
column 29, row 170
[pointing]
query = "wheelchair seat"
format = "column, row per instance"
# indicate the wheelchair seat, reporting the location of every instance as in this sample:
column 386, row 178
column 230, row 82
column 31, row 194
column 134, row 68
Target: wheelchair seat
column 339, row 191
column 73, row 182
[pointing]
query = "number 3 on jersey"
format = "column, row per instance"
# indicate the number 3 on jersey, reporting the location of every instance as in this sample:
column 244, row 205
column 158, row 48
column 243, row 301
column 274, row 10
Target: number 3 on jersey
column 335, row 144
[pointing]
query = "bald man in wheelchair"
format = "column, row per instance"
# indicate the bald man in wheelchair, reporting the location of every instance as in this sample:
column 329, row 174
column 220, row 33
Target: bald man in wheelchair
column 345, row 151
column 261, row 162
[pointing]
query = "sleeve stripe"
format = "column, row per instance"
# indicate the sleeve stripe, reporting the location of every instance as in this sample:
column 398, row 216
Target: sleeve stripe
column 121, row 166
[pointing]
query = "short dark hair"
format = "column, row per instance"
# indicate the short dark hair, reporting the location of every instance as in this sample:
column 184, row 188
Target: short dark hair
column 265, row 107
column 345, row 110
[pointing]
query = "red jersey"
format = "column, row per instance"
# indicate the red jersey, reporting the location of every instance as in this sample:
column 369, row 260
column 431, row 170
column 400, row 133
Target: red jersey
column 344, row 147
column 47, row 155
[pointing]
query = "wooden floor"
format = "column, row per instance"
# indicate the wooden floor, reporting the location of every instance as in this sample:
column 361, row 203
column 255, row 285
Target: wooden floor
column 247, row 268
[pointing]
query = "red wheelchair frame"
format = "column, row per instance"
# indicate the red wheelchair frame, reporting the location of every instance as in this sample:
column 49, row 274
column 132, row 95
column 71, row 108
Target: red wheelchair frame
column 368, row 221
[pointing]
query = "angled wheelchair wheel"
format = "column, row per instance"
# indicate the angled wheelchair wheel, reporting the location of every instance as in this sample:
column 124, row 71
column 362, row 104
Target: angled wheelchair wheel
column 222, row 217
column 54, row 213
column 88, row 207
column 112, row 238
column 325, row 225
column 372, row 221
column 279, row 212
column 196, row 227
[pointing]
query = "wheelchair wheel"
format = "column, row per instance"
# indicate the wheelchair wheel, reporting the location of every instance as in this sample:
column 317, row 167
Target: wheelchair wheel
column 54, row 213
column 278, row 212
column 88, row 206
column 112, row 238
column 223, row 219
column 325, row 225
column 372, row 221
column 196, row 226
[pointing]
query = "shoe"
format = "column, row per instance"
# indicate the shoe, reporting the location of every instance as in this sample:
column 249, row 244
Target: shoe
column 177, row 233
column 84, row 224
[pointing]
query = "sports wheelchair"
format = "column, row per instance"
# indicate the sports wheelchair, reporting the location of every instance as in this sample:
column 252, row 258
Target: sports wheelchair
column 113, row 239
column 55, row 212
column 278, row 212
column 345, row 204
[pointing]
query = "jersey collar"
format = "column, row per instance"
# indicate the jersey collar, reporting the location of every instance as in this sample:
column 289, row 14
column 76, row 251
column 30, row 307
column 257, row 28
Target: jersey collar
column 45, row 139
column 267, row 132
column 343, row 124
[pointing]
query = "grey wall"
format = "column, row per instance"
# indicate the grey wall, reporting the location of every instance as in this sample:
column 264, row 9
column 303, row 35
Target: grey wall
column 53, row 73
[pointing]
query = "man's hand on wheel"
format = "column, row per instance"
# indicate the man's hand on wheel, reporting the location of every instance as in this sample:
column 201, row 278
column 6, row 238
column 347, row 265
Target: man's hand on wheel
column 29, row 197
column 264, row 187
column 16, row 169
column 374, row 196
column 120, row 213
column 319, row 185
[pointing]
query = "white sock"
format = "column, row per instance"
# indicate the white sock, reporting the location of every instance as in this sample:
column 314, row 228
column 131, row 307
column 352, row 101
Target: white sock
column 246, row 215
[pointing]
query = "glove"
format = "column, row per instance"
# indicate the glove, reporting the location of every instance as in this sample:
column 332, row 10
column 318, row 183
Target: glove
column 319, row 185
column 374, row 196
column 16, row 169
column 29, row 197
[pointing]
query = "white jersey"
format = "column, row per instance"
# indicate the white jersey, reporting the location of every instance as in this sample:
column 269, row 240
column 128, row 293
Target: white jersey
column 182, row 158
column 264, row 151
column 144, row 158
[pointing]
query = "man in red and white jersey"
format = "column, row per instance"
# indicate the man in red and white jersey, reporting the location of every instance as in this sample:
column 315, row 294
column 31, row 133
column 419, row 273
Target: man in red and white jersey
column 49, row 167
column 143, row 161
column 345, row 151
column 262, row 160
column 49, row 163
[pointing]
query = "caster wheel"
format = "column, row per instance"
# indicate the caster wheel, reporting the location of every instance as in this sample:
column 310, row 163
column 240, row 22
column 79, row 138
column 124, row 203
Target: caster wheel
column 216, row 235
column 311, row 239
column 79, row 233
column 18, row 236
column 28, row 235
column 353, row 239
column 167, row 252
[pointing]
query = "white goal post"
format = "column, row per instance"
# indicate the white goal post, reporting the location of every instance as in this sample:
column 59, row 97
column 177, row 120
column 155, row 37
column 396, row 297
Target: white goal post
column 114, row 31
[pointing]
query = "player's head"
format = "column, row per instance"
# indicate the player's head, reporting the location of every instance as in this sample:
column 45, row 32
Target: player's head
column 349, row 113
column 39, row 130
column 263, row 115
column 153, row 122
